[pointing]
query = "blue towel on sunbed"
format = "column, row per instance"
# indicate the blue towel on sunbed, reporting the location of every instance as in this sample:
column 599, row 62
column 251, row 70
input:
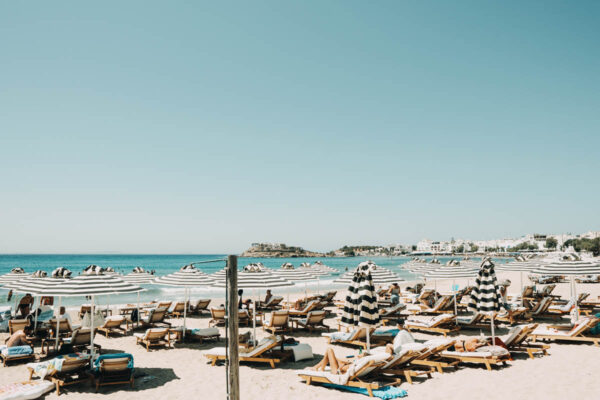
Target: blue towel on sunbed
column 386, row 331
column 16, row 350
column 595, row 330
column 113, row 355
column 389, row 392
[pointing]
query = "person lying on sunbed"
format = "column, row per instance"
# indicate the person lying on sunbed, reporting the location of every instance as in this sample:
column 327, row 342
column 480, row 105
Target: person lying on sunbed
column 468, row 345
column 340, row 366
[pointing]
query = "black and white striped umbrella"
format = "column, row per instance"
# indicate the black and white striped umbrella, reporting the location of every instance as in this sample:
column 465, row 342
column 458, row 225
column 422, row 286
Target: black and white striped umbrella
column 14, row 275
column 139, row 278
column 187, row 277
column 571, row 268
column 360, row 307
column 92, row 285
column 486, row 296
column 294, row 275
column 451, row 272
column 36, row 286
column 379, row 275
column 252, row 280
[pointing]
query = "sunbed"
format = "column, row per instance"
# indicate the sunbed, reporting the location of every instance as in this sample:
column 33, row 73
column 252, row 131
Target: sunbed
column 202, row 335
column 113, row 369
column 113, row 323
column 356, row 337
column 16, row 353
column 517, row 337
column 278, row 322
column 487, row 355
column 273, row 304
column 218, row 317
column 430, row 357
column 72, row 372
column 177, row 310
column 199, row 306
column 154, row 337
column 391, row 313
column 579, row 332
column 313, row 321
column 310, row 306
column 442, row 323
column 328, row 297
column 264, row 352
column 354, row 375
column 441, row 306
column 155, row 317
column 473, row 321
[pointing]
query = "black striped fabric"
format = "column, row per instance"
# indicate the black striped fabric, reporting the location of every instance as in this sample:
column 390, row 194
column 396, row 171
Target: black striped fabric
column 360, row 308
column 486, row 296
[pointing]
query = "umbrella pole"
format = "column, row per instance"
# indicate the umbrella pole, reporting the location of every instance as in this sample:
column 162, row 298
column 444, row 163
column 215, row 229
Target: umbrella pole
column 455, row 305
column 253, row 324
column 493, row 332
column 521, row 283
column 92, row 327
column 36, row 313
column 368, row 339
column 138, row 311
column 185, row 305
column 58, row 323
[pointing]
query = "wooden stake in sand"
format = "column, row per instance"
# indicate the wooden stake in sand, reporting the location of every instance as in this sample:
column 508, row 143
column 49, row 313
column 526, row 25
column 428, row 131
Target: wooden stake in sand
column 233, row 359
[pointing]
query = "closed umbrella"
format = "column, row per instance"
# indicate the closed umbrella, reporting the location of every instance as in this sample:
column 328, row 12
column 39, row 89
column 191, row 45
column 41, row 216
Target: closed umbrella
column 187, row 277
column 486, row 296
column 360, row 307
column 379, row 275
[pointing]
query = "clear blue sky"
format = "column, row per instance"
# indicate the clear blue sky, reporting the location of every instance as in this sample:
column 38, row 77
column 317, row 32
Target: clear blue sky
column 183, row 127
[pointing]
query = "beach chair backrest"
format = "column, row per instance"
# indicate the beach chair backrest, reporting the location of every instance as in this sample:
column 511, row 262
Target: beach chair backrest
column 365, row 365
column 203, row 304
column 114, row 364
column 548, row 289
column 274, row 301
column 156, row 333
column 15, row 325
column 164, row 304
column 315, row 317
column 440, row 320
column 179, row 306
column 217, row 313
column 329, row 296
column 442, row 302
column 514, row 334
column 394, row 309
column 527, row 291
column 582, row 297
column 435, row 349
column 310, row 306
column 279, row 318
column 158, row 315
column 543, row 305
column 583, row 325
column 64, row 325
column 243, row 314
column 265, row 345
column 81, row 337
column 69, row 365
column 114, row 321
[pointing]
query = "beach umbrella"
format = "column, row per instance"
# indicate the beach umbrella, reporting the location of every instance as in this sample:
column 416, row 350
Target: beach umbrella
column 379, row 275
column 519, row 266
column 360, row 307
column 456, row 271
column 38, row 286
column 14, row 275
column 92, row 283
column 571, row 269
column 486, row 296
column 296, row 276
column 253, row 279
column 139, row 277
column 187, row 277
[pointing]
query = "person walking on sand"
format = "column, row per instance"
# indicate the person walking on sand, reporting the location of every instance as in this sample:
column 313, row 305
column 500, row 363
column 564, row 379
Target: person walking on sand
column 25, row 305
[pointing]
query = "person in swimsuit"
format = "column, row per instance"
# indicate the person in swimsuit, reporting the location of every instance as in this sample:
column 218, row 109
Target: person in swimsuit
column 338, row 365
column 19, row 338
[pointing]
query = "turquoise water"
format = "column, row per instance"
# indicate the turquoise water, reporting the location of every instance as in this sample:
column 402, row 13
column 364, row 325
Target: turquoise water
column 165, row 264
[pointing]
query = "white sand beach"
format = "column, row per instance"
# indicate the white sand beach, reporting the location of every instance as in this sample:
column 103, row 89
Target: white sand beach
column 570, row 370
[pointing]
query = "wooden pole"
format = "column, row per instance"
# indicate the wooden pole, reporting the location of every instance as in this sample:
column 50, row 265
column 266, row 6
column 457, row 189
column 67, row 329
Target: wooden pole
column 233, row 360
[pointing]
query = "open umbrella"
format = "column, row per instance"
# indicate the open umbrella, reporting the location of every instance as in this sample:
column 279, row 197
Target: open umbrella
column 520, row 266
column 360, row 307
column 571, row 269
column 187, row 277
column 454, row 271
column 92, row 283
column 486, row 296
column 253, row 279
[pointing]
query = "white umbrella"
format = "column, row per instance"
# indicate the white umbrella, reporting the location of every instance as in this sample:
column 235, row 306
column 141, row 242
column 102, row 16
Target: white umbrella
column 187, row 277
column 519, row 266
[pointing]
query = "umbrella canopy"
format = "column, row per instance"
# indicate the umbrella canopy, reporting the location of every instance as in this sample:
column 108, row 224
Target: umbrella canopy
column 360, row 307
column 14, row 275
column 61, row 272
column 92, row 285
column 486, row 296
column 379, row 275
column 451, row 272
column 518, row 266
column 568, row 268
column 287, row 265
column 295, row 275
column 252, row 280
column 185, row 277
column 139, row 278
column 36, row 286
column 319, row 266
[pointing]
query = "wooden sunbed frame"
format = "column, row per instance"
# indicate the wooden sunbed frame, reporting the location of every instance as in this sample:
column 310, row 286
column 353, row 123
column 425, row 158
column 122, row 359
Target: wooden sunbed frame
column 579, row 337
column 111, row 325
column 431, row 358
column 359, row 339
column 310, row 324
column 113, row 372
column 72, row 372
column 354, row 381
column 518, row 346
column 437, row 328
column 255, row 358
column 487, row 361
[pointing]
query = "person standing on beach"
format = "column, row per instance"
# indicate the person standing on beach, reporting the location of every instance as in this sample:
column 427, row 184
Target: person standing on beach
column 25, row 305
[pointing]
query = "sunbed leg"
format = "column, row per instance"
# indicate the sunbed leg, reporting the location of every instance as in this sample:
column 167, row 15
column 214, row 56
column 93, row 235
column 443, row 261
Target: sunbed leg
column 530, row 352
column 408, row 377
column 272, row 363
column 370, row 391
column 488, row 366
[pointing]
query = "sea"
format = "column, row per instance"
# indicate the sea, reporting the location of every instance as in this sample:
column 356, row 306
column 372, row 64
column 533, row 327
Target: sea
column 165, row 264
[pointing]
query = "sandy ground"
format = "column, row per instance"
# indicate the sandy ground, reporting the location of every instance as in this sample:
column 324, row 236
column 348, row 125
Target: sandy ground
column 183, row 372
